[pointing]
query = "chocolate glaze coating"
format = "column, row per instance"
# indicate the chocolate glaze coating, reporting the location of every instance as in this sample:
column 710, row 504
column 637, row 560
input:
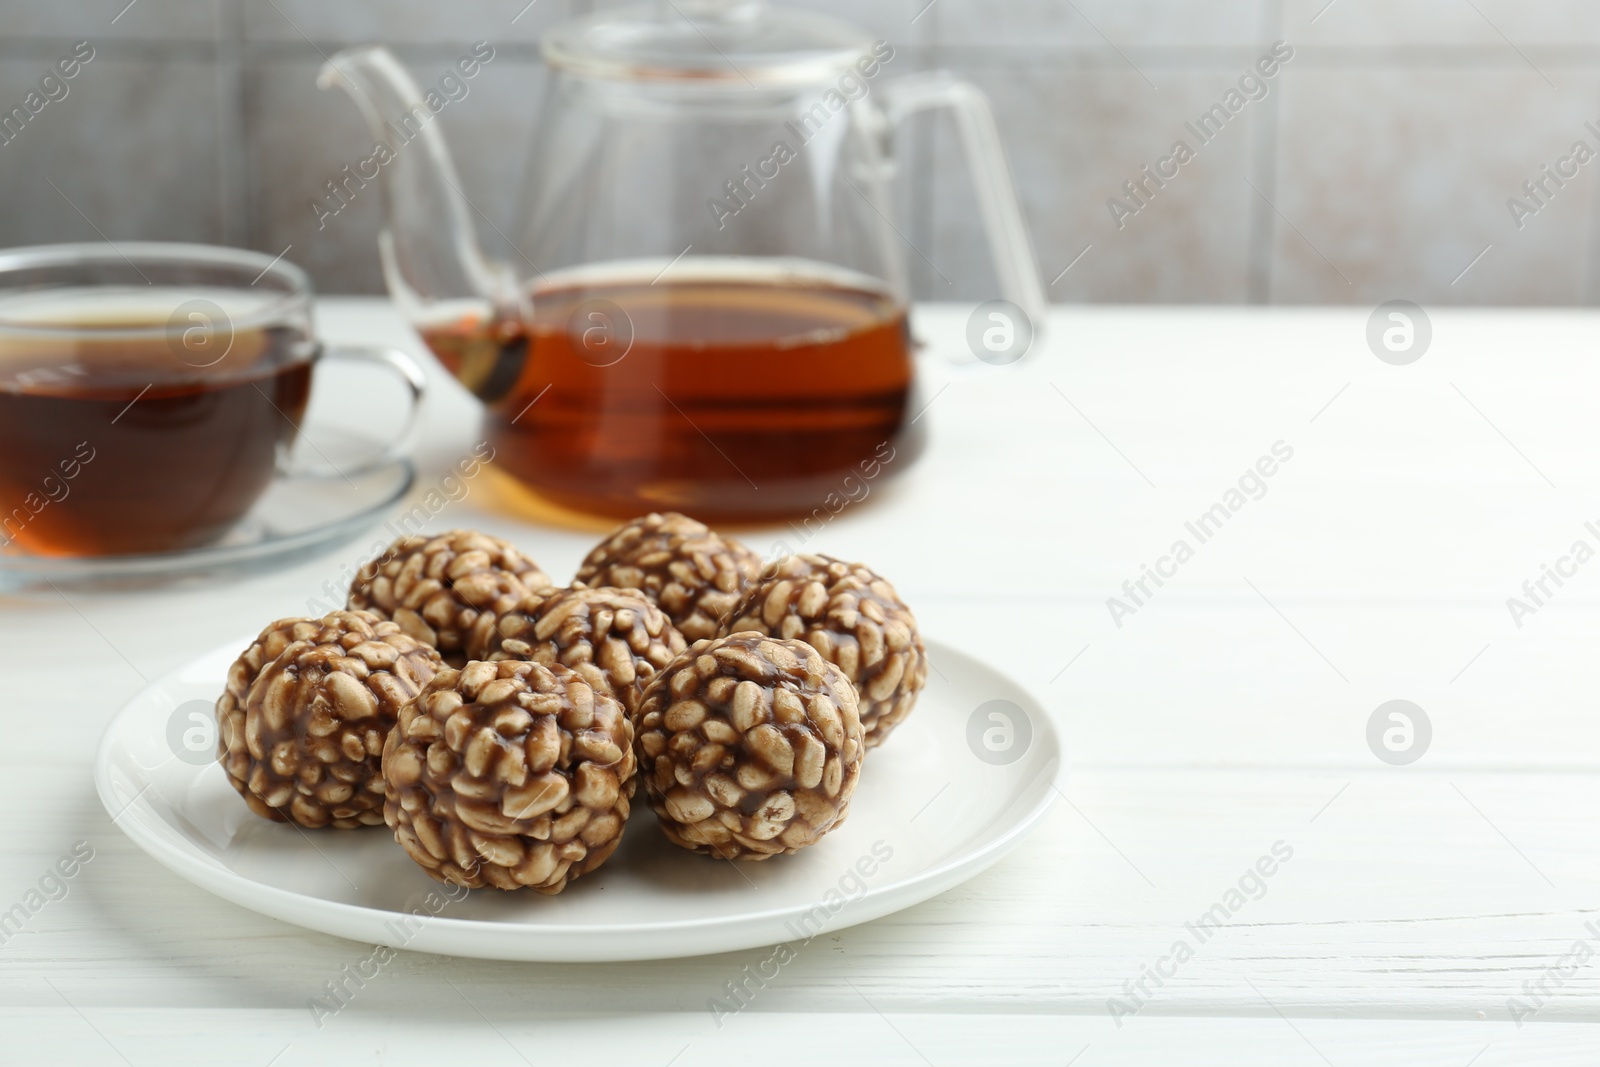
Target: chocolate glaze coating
column 749, row 747
column 509, row 774
column 851, row 615
column 302, row 722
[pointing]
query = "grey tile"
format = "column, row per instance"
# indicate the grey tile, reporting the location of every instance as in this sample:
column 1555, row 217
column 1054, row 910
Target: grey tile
column 1404, row 129
column 232, row 144
column 301, row 136
column 1401, row 178
column 129, row 177
column 1505, row 25
column 1383, row 23
column 1073, row 138
column 104, row 20
column 1097, row 23
column 1562, row 23
column 402, row 21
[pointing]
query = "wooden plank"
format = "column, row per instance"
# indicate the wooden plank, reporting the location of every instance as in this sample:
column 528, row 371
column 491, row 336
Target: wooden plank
column 452, row 1029
column 1408, row 894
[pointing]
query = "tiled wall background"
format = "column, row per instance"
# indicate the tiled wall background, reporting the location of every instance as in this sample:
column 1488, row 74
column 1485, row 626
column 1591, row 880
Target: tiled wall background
column 1378, row 167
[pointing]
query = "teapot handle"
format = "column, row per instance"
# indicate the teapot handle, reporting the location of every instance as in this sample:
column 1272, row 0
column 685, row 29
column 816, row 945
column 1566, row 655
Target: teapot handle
column 991, row 177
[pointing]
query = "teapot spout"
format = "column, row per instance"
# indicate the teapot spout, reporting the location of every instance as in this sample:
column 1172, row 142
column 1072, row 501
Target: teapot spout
column 432, row 262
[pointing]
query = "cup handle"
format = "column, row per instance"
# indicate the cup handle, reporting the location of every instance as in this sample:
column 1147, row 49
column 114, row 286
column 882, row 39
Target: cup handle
column 410, row 372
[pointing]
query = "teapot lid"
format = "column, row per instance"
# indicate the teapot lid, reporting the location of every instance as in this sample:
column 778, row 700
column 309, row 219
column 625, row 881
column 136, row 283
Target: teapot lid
column 740, row 43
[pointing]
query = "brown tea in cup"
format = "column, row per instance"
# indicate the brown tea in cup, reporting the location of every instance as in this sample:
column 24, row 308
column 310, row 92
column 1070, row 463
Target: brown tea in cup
column 111, row 445
column 150, row 393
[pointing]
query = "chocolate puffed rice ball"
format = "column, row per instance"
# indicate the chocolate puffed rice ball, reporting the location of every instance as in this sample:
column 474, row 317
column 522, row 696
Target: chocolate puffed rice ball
column 854, row 618
column 435, row 587
column 509, row 774
column 302, row 722
column 616, row 639
column 695, row 574
column 749, row 746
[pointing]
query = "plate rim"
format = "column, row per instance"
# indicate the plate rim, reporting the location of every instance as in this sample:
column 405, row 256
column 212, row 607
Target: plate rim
column 278, row 902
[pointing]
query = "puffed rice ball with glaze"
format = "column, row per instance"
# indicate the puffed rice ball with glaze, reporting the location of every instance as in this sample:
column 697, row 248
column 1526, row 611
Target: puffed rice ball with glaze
column 749, row 747
column 616, row 639
column 851, row 615
column 509, row 774
column 302, row 722
column 436, row 586
column 695, row 574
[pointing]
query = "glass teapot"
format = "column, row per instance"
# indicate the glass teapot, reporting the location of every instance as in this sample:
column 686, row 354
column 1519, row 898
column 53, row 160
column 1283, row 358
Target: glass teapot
column 708, row 311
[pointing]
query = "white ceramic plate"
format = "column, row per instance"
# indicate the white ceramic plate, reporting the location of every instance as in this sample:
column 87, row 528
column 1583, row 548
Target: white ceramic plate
column 956, row 787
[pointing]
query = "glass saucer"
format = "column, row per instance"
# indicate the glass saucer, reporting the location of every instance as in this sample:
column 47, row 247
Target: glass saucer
column 296, row 516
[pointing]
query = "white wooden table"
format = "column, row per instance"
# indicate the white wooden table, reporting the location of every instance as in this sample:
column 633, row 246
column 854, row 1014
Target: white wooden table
column 1225, row 715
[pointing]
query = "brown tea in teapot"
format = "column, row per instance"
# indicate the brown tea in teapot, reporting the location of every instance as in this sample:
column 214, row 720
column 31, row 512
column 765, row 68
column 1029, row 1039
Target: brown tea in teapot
column 726, row 396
